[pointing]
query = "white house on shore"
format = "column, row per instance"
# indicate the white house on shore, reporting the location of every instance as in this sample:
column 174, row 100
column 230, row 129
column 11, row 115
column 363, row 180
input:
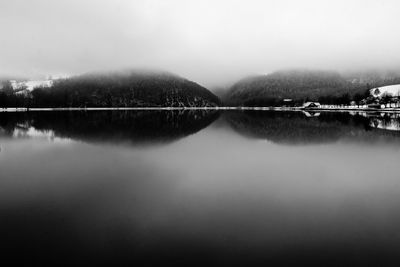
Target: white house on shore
column 311, row 105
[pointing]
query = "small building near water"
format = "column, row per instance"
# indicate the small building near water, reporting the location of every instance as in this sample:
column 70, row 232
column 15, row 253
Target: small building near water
column 311, row 105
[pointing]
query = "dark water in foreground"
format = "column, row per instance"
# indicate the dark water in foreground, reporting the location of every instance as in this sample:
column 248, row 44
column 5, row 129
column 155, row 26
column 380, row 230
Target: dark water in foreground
column 199, row 188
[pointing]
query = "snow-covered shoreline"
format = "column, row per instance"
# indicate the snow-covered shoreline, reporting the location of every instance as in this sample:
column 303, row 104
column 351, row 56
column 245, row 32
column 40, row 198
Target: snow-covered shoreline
column 349, row 109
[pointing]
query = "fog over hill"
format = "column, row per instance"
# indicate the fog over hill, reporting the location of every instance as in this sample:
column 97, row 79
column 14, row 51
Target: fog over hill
column 212, row 42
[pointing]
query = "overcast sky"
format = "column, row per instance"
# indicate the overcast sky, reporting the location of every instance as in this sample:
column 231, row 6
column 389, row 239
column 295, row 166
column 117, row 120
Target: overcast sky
column 211, row 42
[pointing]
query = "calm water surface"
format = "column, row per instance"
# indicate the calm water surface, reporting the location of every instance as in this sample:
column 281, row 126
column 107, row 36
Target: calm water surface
column 200, row 188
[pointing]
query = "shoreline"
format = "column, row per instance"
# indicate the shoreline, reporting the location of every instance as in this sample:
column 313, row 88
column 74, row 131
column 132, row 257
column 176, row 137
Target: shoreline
column 344, row 109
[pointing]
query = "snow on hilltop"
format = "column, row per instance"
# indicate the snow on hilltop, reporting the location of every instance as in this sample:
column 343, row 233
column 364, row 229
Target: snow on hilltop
column 392, row 90
column 30, row 85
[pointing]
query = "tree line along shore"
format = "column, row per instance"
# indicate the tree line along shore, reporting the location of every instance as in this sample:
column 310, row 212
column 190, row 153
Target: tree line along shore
column 295, row 89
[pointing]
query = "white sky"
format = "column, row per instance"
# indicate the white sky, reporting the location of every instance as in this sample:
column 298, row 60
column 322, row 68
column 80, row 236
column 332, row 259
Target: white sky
column 209, row 41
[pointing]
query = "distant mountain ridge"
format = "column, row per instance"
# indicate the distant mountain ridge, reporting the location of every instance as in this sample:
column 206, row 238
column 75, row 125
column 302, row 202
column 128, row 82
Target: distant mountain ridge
column 304, row 85
column 120, row 89
column 143, row 88
column 298, row 85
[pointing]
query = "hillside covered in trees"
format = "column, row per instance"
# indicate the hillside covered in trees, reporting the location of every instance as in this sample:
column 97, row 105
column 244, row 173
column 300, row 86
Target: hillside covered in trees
column 301, row 86
column 116, row 89
column 161, row 89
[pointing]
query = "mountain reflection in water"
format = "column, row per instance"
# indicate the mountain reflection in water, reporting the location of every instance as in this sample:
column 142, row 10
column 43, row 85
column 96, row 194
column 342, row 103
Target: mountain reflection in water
column 135, row 127
column 315, row 128
column 146, row 127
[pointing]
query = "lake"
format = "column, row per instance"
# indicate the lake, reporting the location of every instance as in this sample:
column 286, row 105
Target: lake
column 209, row 188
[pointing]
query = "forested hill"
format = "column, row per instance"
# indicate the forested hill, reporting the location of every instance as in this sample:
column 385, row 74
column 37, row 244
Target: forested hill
column 124, row 89
column 299, row 85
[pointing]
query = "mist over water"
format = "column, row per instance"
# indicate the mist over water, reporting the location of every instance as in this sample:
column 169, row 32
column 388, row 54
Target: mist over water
column 231, row 188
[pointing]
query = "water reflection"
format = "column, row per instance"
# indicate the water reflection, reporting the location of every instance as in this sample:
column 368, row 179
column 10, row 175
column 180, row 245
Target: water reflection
column 135, row 127
column 385, row 121
column 315, row 128
column 213, row 199
column 145, row 127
